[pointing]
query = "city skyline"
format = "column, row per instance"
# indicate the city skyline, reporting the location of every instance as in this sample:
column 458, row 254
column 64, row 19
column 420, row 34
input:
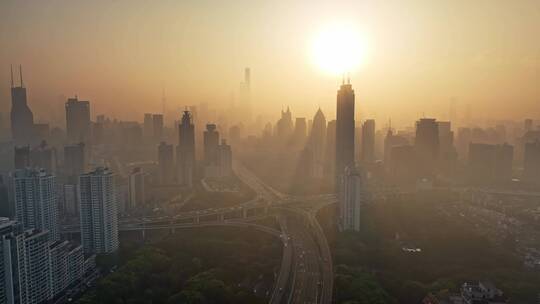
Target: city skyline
column 418, row 61
column 269, row 153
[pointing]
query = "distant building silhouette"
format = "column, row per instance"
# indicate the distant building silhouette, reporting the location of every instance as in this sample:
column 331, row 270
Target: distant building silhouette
column 225, row 159
column 217, row 157
column 427, row 145
column 77, row 120
column 490, row 163
column 185, row 153
column 235, row 133
column 317, row 145
column 41, row 131
column 368, row 141
column 148, row 126
column 132, row 133
column 284, row 126
column 300, row 131
column 166, row 163
column 136, row 188
column 390, row 141
column 404, row 164
column 22, row 157
column 211, row 143
column 44, row 156
column 74, row 162
column 157, row 127
column 344, row 129
column 22, row 118
column 330, row 152
column 528, row 125
column 447, row 157
column 531, row 164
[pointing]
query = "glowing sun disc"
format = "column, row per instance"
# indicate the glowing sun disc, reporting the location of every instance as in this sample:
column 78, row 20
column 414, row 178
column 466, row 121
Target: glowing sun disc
column 338, row 49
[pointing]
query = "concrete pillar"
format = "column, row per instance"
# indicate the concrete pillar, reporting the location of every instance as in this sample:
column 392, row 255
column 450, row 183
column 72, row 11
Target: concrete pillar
column 244, row 212
column 143, row 234
column 197, row 219
column 221, row 217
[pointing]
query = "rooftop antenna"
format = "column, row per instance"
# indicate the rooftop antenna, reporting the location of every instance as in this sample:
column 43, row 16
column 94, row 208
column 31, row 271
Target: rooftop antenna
column 348, row 78
column 11, row 69
column 20, row 74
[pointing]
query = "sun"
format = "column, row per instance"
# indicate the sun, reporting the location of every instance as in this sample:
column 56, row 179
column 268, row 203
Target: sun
column 338, row 49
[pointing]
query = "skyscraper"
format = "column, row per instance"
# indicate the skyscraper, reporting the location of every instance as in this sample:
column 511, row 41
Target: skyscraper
column 34, row 270
column 74, row 161
column 426, row 145
column 6, row 208
column 166, row 163
column 77, row 120
column 157, row 126
column 13, row 278
column 390, row 141
column 148, row 126
column 136, row 193
column 447, row 152
column 531, row 164
column 284, row 126
column 37, row 266
column 211, row 142
column 44, row 156
column 224, row 159
column 35, row 201
column 316, row 143
column 22, row 157
column 99, row 222
column 368, row 141
column 185, row 153
column 344, row 129
column 352, row 195
column 300, row 131
column 490, row 163
column 330, row 151
column 22, row 119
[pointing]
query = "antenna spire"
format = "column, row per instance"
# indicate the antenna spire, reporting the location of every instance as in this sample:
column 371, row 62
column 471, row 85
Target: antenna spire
column 348, row 78
column 11, row 69
column 20, row 74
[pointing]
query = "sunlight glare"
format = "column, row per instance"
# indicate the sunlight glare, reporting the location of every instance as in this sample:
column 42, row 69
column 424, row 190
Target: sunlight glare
column 339, row 49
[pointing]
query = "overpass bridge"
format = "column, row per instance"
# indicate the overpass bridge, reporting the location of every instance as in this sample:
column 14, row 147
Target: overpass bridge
column 306, row 274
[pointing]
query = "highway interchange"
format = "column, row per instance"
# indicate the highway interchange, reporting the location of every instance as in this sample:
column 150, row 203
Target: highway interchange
column 306, row 273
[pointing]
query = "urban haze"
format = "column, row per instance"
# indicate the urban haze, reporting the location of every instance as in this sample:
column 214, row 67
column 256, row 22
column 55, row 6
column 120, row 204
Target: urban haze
column 246, row 152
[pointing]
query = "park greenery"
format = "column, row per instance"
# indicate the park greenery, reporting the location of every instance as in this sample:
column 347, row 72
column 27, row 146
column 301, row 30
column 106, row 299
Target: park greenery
column 204, row 266
column 451, row 253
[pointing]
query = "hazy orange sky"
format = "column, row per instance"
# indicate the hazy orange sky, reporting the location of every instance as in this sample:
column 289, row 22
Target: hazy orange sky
column 120, row 54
